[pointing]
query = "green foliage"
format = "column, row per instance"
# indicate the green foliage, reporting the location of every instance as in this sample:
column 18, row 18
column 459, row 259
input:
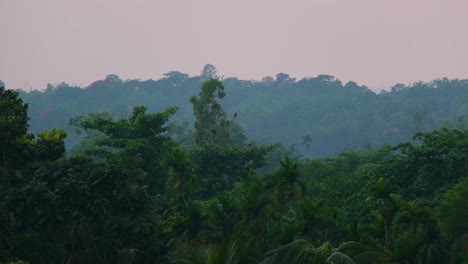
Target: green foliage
column 13, row 130
column 140, row 140
column 181, row 175
column 454, row 209
column 212, row 125
column 218, row 168
column 417, row 237
column 288, row 179
column 453, row 213
column 14, row 115
column 302, row 251
column 334, row 114
column 439, row 161
column 256, row 206
column 134, row 195
column 50, row 144
column 299, row 251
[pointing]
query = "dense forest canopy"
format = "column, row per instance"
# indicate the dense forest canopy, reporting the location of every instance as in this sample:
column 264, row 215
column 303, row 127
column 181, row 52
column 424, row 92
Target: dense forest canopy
column 188, row 170
column 314, row 116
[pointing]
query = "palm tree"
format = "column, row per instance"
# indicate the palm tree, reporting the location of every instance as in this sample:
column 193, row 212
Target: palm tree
column 257, row 209
column 198, row 227
column 182, row 177
column 417, row 236
column 229, row 251
column 298, row 252
column 288, row 181
column 210, row 254
column 301, row 251
column 382, row 196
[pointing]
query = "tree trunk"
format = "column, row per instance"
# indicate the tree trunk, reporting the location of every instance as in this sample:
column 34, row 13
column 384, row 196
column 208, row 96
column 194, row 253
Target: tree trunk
column 386, row 233
column 5, row 168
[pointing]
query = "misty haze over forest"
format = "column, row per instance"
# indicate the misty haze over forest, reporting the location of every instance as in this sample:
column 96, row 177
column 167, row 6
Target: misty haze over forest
column 314, row 116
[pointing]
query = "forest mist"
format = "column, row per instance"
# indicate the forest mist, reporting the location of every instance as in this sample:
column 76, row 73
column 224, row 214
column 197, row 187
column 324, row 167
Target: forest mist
column 314, row 116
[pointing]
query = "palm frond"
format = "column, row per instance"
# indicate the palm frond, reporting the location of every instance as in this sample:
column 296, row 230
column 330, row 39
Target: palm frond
column 339, row 258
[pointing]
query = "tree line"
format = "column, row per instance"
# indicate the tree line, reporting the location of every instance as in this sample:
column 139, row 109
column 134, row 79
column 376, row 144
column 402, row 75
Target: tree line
column 315, row 116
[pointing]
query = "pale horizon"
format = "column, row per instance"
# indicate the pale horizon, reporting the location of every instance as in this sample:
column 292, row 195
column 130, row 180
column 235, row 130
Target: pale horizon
column 374, row 43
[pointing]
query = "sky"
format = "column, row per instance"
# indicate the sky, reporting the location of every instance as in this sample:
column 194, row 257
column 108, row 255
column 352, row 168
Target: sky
column 376, row 43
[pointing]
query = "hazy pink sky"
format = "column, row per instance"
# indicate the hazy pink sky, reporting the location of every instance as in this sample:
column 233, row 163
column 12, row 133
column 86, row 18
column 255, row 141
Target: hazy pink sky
column 373, row 42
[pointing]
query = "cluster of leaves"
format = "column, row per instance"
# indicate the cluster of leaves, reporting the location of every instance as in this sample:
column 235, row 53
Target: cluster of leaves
column 132, row 194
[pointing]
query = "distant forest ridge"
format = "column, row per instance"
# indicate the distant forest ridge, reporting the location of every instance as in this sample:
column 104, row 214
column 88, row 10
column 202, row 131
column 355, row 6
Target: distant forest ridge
column 314, row 117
